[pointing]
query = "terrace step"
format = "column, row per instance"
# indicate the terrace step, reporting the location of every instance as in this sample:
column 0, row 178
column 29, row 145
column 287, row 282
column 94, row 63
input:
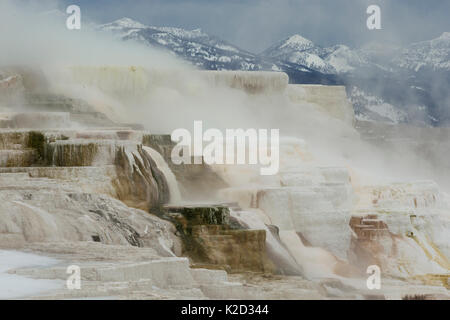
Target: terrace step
column 16, row 158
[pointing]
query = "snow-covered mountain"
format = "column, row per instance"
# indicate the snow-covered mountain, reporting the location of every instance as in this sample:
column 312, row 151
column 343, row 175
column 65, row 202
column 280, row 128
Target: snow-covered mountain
column 384, row 82
column 295, row 43
column 369, row 107
column 432, row 54
column 201, row 49
column 295, row 52
column 329, row 60
column 299, row 50
column 194, row 45
column 292, row 54
column 344, row 60
column 209, row 52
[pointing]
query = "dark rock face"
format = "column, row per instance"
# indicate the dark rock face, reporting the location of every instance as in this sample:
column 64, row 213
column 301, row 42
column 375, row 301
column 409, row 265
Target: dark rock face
column 211, row 241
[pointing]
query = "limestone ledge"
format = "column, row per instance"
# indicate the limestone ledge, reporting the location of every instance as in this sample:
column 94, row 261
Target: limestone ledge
column 210, row 238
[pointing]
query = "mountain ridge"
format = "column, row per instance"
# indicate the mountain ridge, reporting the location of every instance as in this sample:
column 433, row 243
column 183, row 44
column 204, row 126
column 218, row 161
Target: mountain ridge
column 399, row 79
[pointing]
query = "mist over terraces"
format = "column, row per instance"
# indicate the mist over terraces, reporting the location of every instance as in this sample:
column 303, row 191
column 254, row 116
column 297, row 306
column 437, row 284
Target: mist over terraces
column 86, row 178
column 384, row 81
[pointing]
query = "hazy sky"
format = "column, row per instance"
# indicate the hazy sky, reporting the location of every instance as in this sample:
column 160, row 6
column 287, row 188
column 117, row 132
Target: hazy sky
column 256, row 24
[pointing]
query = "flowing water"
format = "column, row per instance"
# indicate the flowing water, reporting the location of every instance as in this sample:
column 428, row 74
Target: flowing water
column 175, row 195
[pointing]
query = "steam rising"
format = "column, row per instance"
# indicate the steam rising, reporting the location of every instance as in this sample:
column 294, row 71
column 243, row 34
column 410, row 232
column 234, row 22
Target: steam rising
column 134, row 83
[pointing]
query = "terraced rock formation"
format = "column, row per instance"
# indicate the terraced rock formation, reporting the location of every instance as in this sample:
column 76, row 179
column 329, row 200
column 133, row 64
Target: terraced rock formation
column 83, row 189
column 212, row 239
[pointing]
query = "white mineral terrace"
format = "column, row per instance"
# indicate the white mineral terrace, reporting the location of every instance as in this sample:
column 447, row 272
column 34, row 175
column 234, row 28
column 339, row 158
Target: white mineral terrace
column 74, row 191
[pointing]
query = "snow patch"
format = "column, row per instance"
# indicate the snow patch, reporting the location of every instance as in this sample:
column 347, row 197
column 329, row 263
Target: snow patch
column 297, row 42
column 14, row 286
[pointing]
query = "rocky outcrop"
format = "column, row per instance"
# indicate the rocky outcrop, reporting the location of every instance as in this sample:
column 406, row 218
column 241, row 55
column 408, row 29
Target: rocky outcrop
column 416, row 215
column 371, row 242
column 135, row 177
column 45, row 210
column 211, row 239
column 63, row 185
column 139, row 182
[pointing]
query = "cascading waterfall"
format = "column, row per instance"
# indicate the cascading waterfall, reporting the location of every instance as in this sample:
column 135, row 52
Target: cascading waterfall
column 175, row 195
column 277, row 251
column 315, row 262
column 303, row 199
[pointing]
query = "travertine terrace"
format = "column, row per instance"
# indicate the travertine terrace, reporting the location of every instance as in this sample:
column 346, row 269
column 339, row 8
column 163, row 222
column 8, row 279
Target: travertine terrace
column 78, row 186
